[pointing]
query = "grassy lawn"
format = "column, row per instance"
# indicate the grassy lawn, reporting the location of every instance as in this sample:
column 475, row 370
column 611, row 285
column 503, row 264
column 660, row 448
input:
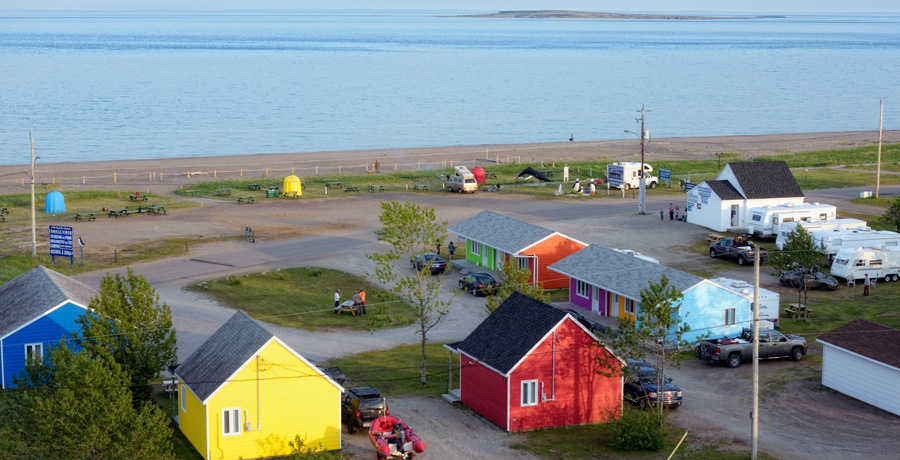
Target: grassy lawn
column 180, row 445
column 79, row 202
column 301, row 298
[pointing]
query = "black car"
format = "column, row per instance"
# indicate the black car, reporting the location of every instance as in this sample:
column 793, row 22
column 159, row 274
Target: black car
column 640, row 386
column 817, row 280
column 361, row 406
column 591, row 325
column 428, row 260
column 479, row 283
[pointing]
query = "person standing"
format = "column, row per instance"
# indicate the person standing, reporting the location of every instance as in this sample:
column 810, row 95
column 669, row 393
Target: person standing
column 439, row 249
column 671, row 211
column 337, row 299
column 452, row 249
column 661, row 214
column 866, row 285
column 362, row 303
column 677, row 212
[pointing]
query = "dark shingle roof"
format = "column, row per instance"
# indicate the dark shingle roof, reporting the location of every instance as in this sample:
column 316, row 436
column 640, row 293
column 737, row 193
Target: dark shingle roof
column 510, row 332
column 501, row 232
column 32, row 293
column 765, row 179
column 208, row 367
column 619, row 272
column 867, row 338
column 724, row 190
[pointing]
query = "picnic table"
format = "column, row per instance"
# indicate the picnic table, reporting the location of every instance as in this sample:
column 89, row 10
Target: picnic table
column 334, row 184
column 491, row 175
column 351, row 188
column 245, row 199
column 137, row 197
column 372, row 188
column 799, row 311
column 156, row 210
column 714, row 237
column 347, row 307
column 118, row 212
column 253, row 187
column 420, row 188
column 223, row 192
column 4, row 210
column 90, row 216
column 291, row 194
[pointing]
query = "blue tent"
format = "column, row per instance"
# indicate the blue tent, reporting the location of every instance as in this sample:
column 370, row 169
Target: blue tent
column 55, row 203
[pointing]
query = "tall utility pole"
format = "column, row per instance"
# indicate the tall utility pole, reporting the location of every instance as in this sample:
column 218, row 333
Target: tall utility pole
column 754, row 430
column 33, row 230
column 642, row 187
column 878, row 168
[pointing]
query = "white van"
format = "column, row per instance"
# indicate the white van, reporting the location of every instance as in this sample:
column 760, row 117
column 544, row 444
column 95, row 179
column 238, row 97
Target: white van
column 765, row 222
column 462, row 181
column 626, row 175
column 854, row 264
column 834, row 240
column 814, row 225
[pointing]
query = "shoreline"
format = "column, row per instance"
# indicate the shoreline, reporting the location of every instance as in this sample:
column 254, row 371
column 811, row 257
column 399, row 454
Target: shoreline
column 359, row 161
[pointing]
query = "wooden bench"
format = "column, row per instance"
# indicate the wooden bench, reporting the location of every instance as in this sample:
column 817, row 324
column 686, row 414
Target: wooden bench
column 291, row 194
column 156, row 210
column 334, row 185
column 89, row 216
column 798, row 311
column 373, row 188
column 137, row 197
column 346, row 307
column 351, row 188
column 223, row 192
column 245, row 199
column 118, row 212
column 253, row 187
column 420, row 188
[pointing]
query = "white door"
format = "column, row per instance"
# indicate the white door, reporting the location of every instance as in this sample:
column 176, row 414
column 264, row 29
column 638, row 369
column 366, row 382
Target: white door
column 484, row 256
column 595, row 299
column 735, row 218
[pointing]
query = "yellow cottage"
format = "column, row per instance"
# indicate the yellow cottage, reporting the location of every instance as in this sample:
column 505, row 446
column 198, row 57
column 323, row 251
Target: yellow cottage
column 245, row 394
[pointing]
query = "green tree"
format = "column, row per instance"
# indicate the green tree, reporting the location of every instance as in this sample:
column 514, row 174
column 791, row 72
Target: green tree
column 801, row 252
column 72, row 406
column 892, row 215
column 128, row 325
column 656, row 333
column 514, row 278
column 409, row 230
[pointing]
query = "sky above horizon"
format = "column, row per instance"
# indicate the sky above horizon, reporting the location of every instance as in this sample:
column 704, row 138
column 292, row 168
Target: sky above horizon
column 635, row 6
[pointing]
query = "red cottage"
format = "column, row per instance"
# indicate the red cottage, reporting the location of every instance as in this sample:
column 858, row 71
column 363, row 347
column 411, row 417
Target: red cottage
column 530, row 365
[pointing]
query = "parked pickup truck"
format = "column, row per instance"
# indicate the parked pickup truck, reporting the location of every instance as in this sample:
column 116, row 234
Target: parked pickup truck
column 736, row 248
column 772, row 344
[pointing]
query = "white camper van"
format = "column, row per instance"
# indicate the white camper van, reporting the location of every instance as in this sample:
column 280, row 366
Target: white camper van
column 462, row 181
column 626, row 175
column 834, row 240
column 814, row 225
column 765, row 222
column 854, row 264
column 768, row 300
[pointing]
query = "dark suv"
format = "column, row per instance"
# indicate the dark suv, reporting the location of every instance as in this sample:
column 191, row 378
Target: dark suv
column 640, row 387
column 361, row 406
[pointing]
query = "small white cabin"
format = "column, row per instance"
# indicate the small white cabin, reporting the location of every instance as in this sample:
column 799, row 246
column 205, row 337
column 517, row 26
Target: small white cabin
column 877, row 262
column 768, row 300
column 814, row 225
column 834, row 240
column 765, row 221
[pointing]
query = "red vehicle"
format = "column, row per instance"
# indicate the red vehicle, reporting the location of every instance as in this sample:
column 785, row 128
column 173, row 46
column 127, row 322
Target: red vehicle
column 394, row 439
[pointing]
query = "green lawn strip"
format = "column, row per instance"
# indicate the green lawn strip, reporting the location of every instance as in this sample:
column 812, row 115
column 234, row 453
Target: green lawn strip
column 890, row 153
column 301, row 298
column 836, row 308
column 398, row 371
column 79, row 202
column 881, row 202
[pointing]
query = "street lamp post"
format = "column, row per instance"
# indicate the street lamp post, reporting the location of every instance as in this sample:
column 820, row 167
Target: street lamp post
column 33, row 227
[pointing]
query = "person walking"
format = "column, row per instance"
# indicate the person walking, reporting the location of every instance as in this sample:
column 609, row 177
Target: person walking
column 452, row 249
column 866, row 285
column 362, row 301
column 671, row 211
column 337, row 299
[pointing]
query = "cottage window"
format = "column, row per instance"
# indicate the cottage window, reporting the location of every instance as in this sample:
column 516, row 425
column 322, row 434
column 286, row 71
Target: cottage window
column 34, row 351
column 629, row 306
column 231, row 421
column 476, row 248
column 730, row 316
column 582, row 289
column 182, row 393
column 523, row 263
column 529, row 393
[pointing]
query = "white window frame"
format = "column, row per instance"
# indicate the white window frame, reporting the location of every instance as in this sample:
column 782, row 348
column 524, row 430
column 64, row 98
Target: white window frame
column 233, row 415
column 182, row 393
column 523, row 262
column 529, row 393
column 730, row 314
column 629, row 306
column 582, row 289
column 476, row 248
column 34, row 350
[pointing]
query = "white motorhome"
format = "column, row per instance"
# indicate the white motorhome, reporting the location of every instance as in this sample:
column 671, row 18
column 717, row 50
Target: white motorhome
column 814, row 225
column 834, row 240
column 768, row 300
column 766, row 221
column 462, row 181
column 877, row 262
column 626, row 175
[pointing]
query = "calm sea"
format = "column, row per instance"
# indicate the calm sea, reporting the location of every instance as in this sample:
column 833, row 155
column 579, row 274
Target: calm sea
column 154, row 85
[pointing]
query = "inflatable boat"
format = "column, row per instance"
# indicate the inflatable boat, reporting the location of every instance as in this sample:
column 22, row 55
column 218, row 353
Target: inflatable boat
column 394, row 439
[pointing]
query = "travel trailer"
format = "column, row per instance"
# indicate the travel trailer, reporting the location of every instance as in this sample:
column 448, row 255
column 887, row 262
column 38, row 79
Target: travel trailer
column 832, row 241
column 765, row 222
column 814, row 225
column 626, row 175
column 877, row 262
column 462, row 181
column 768, row 300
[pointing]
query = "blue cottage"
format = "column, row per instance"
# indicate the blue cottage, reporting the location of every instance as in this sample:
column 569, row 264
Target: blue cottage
column 37, row 309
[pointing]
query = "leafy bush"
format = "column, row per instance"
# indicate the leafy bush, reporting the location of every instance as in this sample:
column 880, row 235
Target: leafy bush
column 638, row 430
column 233, row 280
column 300, row 451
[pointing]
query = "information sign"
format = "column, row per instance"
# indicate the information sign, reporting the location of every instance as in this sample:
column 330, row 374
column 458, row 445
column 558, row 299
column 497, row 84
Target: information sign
column 61, row 242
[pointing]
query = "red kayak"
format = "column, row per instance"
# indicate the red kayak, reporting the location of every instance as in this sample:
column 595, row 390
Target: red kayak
column 394, row 439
